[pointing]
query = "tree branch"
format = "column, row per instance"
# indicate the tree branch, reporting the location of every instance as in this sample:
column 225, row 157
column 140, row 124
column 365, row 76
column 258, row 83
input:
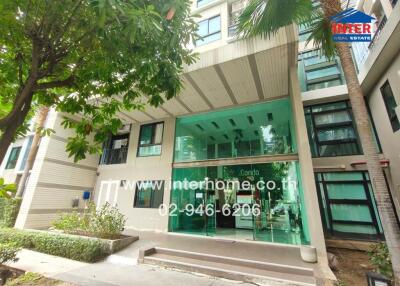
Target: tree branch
column 57, row 83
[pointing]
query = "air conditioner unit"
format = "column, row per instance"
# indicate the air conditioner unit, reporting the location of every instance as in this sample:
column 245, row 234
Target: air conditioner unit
column 125, row 129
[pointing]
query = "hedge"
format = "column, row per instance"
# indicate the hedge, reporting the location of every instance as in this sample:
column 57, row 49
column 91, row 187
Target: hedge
column 69, row 247
column 9, row 209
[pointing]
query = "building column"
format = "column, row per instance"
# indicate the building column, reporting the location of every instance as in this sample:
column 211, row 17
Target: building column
column 387, row 7
column 307, row 174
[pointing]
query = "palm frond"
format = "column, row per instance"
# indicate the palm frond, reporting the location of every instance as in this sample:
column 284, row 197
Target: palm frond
column 321, row 35
column 266, row 17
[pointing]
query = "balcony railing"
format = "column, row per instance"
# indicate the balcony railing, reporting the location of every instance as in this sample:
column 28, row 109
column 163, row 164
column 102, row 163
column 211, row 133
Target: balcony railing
column 363, row 49
column 378, row 33
column 114, row 156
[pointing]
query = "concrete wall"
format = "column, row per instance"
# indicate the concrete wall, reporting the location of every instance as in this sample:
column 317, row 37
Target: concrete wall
column 139, row 169
column 55, row 179
column 390, row 140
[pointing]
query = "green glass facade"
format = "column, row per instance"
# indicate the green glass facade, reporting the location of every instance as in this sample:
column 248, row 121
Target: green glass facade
column 260, row 201
column 347, row 205
column 254, row 130
column 280, row 215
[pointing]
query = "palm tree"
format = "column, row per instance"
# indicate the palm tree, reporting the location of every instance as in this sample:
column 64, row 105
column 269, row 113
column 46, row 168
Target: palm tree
column 40, row 122
column 265, row 18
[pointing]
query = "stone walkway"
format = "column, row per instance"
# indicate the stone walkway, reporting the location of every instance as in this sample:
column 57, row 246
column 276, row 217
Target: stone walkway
column 116, row 270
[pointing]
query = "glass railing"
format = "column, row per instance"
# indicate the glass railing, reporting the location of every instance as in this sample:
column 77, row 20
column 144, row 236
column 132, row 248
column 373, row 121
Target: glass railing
column 114, row 156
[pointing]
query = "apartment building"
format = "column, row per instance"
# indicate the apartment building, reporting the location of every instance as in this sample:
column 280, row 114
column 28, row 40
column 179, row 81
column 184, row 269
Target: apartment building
column 251, row 110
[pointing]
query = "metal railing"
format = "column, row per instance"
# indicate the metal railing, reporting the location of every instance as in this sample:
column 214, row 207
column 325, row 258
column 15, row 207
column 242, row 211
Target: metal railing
column 378, row 33
column 362, row 49
column 114, row 156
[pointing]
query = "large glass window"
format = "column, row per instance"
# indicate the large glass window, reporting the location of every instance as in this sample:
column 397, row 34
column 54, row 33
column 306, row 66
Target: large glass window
column 253, row 130
column 13, row 158
column 209, row 30
column 150, row 139
column 149, row 194
column 347, row 205
column 316, row 71
column 331, row 130
column 218, row 200
column 390, row 103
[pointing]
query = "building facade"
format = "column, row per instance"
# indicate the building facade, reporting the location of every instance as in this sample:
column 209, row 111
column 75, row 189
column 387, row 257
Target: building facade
column 252, row 112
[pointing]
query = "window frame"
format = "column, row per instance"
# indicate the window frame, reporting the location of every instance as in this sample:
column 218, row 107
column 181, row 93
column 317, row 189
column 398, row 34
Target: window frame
column 110, row 159
column 208, row 31
column 366, row 183
column 394, row 120
column 152, row 136
column 135, row 201
column 7, row 166
column 308, row 112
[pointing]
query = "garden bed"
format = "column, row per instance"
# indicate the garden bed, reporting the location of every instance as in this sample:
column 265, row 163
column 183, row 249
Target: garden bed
column 111, row 245
column 87, row 249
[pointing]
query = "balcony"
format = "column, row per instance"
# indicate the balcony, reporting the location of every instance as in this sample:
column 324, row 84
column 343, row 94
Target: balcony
column 114, row 156
column 362, row 49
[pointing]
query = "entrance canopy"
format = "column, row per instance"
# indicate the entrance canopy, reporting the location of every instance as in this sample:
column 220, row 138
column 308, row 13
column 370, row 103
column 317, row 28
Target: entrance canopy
column 239, row 72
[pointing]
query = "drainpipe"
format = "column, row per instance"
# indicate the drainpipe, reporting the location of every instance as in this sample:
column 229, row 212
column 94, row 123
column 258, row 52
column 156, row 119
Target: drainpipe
column 40, row 122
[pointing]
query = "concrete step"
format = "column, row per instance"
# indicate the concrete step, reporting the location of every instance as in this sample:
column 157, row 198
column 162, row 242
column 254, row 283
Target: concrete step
column 229, row 267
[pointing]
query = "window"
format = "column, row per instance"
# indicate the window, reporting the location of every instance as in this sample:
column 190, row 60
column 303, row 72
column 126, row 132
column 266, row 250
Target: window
column 150, row 139
column 115, row 150
column 390, row 103
column 149, row 194
column 347, row 205
column 27, row 150
column 13, row 158
column 203, row 2
column 253, row 130
column 331, row 130
column 316, row 71
column 209, row 30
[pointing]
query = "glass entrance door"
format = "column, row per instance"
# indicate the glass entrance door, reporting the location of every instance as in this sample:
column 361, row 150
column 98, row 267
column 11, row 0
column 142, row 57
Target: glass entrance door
column 277, row 203
column 253, row 201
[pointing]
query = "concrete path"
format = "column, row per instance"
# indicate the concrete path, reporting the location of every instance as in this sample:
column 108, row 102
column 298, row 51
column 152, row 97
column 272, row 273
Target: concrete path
column 116, row 270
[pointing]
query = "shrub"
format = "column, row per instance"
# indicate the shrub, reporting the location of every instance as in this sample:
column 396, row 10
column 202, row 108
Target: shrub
column 107, row 222
column 9, row 209
column 379, row 257
column 8, row 252
column 69, row 222
column 76, row 248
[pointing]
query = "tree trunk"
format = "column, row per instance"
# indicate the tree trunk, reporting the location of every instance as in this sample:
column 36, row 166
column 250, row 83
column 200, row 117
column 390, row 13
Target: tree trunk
column 381, row 192
column 9, row 131
column 40, row 122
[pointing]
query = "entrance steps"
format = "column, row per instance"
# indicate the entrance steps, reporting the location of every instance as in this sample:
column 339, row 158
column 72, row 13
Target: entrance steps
column 261, row 273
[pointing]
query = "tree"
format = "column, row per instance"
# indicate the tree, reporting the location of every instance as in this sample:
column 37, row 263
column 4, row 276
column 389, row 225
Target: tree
column 91, row 58
column 265, row 18
column 6, row 190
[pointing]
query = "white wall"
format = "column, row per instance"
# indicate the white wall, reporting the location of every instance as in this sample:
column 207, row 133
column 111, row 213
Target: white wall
column 390, row 140
column 140, row 169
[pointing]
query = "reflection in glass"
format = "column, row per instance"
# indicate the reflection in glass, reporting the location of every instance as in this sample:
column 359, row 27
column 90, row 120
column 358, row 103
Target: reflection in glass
column 254, row 130
column 282, row 216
